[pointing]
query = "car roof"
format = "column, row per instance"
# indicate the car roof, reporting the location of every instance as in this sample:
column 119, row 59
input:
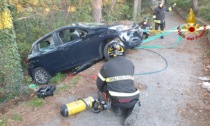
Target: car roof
column 91, row 26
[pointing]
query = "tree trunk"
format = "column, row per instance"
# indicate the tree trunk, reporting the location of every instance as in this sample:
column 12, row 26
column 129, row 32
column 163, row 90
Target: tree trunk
column 137, row 9
column 195, row 5
column 96, row 10
column 10, row 66
column 111, row 8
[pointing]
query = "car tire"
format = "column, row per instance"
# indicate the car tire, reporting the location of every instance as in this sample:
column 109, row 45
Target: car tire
column 106, row 54
column 41, row 76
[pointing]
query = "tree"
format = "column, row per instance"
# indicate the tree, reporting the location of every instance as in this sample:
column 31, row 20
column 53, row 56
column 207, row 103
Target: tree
column 195, row 5
column 96, row 10
column 137, row 9
column 112, row 7
column 10, row 67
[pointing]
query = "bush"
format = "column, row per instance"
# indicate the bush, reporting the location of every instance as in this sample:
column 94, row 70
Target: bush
column 204, row 12
column 203, row 7
column 184, row 4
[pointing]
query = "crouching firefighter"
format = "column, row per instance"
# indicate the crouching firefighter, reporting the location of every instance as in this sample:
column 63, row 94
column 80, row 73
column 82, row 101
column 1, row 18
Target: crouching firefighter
column 116, row 80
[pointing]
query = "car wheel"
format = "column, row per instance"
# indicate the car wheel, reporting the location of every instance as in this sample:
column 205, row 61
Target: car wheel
column 106, row 52
column 41, row 76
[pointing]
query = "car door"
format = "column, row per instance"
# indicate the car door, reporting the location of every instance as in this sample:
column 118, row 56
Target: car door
column 50, row 57
column 69, row 39
column 79, row 45
column 88, row 47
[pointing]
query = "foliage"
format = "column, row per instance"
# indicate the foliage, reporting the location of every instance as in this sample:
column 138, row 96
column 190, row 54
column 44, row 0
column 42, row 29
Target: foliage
column 203, row 7
column 11, row 70
column 83, row 11
column 36, row 102
column 204, row 11
column 121, row 10
column 184, row 4
column 146, row 10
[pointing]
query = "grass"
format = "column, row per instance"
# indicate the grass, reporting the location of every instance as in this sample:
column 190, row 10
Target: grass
column 16, row 117
column 58, row 78
column 36, row 102
column 63, row 88
column 75, row 80
column 3, row 122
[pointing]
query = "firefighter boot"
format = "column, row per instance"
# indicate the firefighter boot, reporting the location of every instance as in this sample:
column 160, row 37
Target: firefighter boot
column 132, row 117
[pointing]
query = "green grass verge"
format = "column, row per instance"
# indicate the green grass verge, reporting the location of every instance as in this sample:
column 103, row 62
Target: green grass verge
column 36, row 102
column 3, row 122
column 58, row 78
column 74, row 81
column 16, row 117
column 63, row 88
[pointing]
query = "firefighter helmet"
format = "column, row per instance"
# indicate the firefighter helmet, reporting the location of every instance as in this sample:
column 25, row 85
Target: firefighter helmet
column 116, row 48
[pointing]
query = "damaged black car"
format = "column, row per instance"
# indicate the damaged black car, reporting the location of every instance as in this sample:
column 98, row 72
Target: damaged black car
column 71, row 47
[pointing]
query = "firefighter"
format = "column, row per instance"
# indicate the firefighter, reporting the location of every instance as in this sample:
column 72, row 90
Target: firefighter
column 146, row 26
column 117, row 81
column 159, row 15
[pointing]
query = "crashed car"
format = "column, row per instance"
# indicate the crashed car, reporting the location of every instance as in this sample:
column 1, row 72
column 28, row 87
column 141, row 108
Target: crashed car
column 71, row 47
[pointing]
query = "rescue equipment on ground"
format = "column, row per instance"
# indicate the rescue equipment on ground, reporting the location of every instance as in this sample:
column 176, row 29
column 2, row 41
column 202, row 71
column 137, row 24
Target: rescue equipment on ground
column 102, row 103
column 95, row 105
column 99, row 106
column 45, row 91
column 76, row 106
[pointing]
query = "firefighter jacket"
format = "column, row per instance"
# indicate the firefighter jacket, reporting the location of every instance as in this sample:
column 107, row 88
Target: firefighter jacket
column 159, row 14
column 117, row 76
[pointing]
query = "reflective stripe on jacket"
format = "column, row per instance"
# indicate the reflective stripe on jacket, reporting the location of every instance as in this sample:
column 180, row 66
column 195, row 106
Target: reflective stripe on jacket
column 134, row 95
column 116, row 78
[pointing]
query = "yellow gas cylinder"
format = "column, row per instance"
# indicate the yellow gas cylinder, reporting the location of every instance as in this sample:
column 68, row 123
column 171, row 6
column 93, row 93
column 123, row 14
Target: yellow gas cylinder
column 76, row 106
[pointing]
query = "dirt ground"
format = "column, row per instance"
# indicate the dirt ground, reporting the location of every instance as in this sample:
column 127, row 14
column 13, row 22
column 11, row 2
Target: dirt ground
column 172, row 97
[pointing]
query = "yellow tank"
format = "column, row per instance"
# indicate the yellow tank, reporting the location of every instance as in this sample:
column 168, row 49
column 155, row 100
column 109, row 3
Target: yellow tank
column 76, row 106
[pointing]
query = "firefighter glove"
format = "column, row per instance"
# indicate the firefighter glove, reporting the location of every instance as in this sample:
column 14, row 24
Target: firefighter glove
column 157, row 21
